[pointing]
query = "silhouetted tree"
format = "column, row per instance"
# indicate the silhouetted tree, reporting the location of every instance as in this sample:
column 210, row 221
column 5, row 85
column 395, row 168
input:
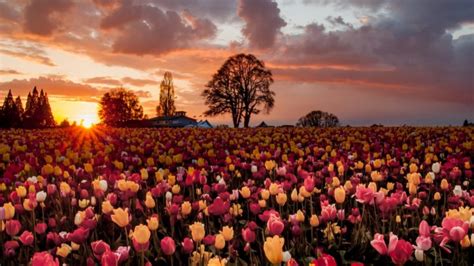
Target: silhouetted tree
column 318, row 119
column 64, row 123
column 10, row 116
column 166, row 106
column 118, row 106
column 19, row 106
column 32, row 107
column 240, row 87
column 44, row 114
column 38, row 112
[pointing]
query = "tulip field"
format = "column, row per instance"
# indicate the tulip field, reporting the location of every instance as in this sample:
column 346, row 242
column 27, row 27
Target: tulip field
column 261, row 196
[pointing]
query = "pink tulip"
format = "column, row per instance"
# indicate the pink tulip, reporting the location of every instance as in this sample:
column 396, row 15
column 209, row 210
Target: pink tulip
column 364, row 195
column 44, row 259
column 379, row 243
column 454, row 228
column 40, row 228
column 122, row 253
column 26, row 238
column 275, row 225
column 10, row 248
column 167, row 245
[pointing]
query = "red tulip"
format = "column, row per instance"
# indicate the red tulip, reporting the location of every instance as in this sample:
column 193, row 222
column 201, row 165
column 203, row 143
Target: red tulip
column 26, row 238
column 109, row 259
column 167, row 245
column 219, row 207
column 248, row 235
column 99, row 248
column 325, row 260
column 41, row 228
column 188, row 245
column 79, row 235
column 10, row 248
column 401, row 253
column 12, row 227
column 44, row 259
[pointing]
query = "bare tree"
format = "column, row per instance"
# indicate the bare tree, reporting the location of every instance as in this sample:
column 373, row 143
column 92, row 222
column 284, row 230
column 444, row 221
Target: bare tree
column 240, row 87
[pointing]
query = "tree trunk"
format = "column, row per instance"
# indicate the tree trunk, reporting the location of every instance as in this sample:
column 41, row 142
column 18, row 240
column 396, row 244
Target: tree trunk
column 246, row 120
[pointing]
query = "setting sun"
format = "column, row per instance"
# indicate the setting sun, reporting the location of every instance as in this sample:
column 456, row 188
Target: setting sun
column 87, row 122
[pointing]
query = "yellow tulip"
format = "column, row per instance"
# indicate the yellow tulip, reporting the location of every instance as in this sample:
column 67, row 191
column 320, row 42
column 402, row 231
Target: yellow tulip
column 176, row 189
column 141, row 234
column 9, row 210
column 120, row 217
column 64, row 250
column 197, row 231
column 149, row 201
column 340, row 195
column 21, row 191
column 273, row 248
column 444, row 184
column 107, row 207
column 186, row 208
column 314, row 220
column 219, row 242
column 274, row 188
column 227, row 232
column 294, row 195
column 88, row 167
column 265, row 194
column 144, row 174
column 245, row 192
column 64, row 188
column 437, row 196
column 300, row 216
column 281, row 198
column 153, row 223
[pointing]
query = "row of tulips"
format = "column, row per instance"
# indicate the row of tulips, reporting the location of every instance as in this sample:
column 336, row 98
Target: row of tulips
column 299, row 196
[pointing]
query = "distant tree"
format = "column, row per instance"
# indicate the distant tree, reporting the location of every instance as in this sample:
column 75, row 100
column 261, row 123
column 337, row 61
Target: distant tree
column 19, row 107
column 44, row 114
column 240, row 87
column 64, row 123
column 118, row 106
column 318, row 119
column 166, row 106
column 32, row 107
column 10, row 116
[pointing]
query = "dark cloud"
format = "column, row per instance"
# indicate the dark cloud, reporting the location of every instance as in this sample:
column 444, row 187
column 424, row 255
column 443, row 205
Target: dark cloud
column 407, row 48
column 43, row 17
column 53, row 85
column 145, row 29
column 262, row 22
column 142, row 93
column 221, row 10
column 8, row 13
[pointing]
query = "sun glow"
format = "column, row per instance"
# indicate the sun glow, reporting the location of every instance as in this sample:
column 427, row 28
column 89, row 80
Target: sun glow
column 87, row 122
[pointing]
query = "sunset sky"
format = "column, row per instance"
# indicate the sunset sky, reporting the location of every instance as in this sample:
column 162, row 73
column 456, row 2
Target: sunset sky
column 367, row 61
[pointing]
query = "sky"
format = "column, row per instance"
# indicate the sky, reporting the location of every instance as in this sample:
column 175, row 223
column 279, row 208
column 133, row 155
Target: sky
column 391, row 62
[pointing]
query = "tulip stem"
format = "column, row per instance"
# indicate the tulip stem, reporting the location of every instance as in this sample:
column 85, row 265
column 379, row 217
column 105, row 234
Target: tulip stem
column 126, row 235
column 142, row 258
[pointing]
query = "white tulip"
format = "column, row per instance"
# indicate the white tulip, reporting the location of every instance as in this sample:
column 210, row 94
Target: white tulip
column 254, row 169
column 168, row 196
column 286, row 256
column 103, row 185
column 419, row 255
column 41, row 196
column 457, row 191
column 436, row 167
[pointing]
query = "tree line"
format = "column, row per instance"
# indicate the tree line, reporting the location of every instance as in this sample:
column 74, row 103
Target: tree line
column 36, row 114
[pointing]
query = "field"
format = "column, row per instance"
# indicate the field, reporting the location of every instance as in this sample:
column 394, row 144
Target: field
column 298, row 196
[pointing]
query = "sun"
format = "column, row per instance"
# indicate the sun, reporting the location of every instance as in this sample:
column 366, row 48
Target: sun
column 87, row 122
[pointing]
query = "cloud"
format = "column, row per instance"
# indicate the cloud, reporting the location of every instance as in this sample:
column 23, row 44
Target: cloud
column 142, row 93
column 262, row 22
column 42, row 17
column 53, row 85
column 8, row 13
column 104, row 81
column 9, row 72
column 145, row 29
column 29, row 55
column 220, row 10
column 139, row 82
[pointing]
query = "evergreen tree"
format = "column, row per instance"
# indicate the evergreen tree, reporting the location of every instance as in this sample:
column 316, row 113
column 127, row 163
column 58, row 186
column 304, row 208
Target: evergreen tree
column 19, row 107
column 166, row 107
column 10, row 115
column 47, row 117
column 32, row 102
